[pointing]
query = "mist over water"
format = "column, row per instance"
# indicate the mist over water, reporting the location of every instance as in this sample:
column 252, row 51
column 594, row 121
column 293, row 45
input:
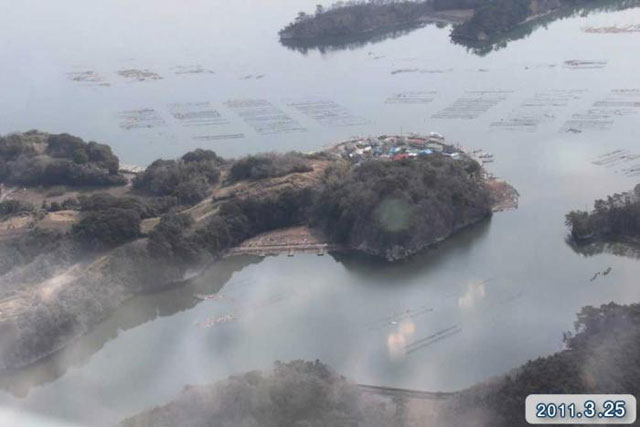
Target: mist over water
column 483, row 302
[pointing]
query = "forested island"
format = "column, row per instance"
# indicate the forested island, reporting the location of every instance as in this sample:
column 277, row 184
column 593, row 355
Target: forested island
column 614, row 219
column 73, row 251
column 602, row 356
column 476, row 23
column 348, row 21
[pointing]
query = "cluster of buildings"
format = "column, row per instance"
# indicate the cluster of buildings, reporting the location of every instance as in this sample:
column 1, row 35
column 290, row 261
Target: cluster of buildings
column 397, row 147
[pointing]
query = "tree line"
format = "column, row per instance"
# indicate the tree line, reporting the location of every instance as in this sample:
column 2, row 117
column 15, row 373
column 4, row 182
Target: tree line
column 615, row 218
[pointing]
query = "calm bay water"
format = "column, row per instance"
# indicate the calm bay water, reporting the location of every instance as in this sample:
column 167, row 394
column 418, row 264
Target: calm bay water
column 498, row 294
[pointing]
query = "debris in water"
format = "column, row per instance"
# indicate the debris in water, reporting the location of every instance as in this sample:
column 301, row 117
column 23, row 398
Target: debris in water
column 603, row 273
column 134, row 75
column 211, row 297
column 191, row 69
column 89, row 78
column 412, row 97
column 582, row 64
column 218, row 137
column 614, row 29
column 253, row 77
column 213, row 321
column 421, row 71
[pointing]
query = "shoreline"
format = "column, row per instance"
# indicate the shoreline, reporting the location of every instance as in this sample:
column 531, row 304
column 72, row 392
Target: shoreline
column 92, row 289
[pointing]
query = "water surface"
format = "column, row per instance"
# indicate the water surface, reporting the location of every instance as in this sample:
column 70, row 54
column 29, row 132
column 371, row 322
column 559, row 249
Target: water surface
column 480, row 304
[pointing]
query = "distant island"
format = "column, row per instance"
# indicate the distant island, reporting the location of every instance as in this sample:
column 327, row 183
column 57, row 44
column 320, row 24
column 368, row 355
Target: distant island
column 73, row 251
column 477, row 24
column 350, row 21
column 601, row 356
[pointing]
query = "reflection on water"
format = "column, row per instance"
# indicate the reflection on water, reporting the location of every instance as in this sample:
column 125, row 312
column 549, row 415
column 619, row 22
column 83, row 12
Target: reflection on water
column 501, row 41
column 628, row 250
column 490, row 298
column 481, row 48
column 457, row 245
column 349, row 43
column 135, row 312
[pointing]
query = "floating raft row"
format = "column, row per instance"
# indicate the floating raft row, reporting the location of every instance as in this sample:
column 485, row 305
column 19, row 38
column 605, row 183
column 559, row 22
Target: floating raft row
column 412, row 97
column 264, row 117
column 196, row 114
column 584, row 64
column 603, row 113
column 219, row 137
column 88, row 78
column 191, row 69
column 146, row 118
column 539, row 109
column 134, row 75
column 621, row 161
column 472, row 105
column 326, row 112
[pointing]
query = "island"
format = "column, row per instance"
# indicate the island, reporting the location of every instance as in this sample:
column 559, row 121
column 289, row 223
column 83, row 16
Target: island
column 601, row 357
column 477, row 24
column 80, row 234
column 349, row 22
column 614, row 219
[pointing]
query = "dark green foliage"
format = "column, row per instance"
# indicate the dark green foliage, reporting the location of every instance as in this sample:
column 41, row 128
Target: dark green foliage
column 603, row 356
column 12, row 146
column 492, row 17
column 616, row 218
column 189, row 179
column 36, row 159
column 70, row 147
column 295, row 394
column 66, row 146
column 102, row 155
column 107, row 228
column 146, row 208
column 71, row 204
column 13, row 207
column 354, row 19
column 381, row 205
column 242, row 219
column 457, row 4
column 169, row 239
column 268, row 165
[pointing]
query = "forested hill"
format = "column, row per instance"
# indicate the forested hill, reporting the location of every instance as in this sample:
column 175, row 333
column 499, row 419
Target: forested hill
column 353, row 19
column 602, row 356
column 117, row 241
column 474, row 21
column 616, row 218
column 35, row 159
column 501, row 16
